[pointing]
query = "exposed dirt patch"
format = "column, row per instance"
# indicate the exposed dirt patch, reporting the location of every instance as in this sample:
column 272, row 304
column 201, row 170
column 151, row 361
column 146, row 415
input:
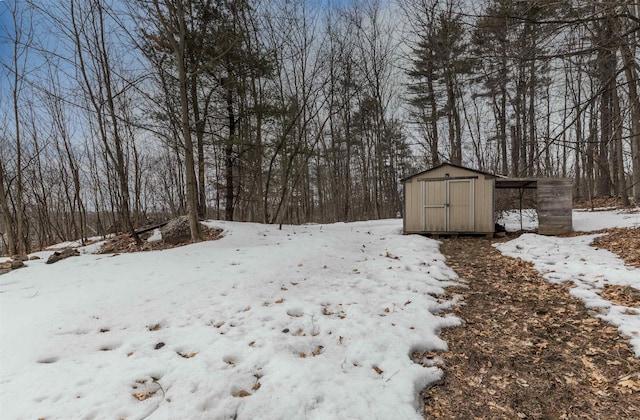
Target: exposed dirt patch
column 125, row 243
column 527, row 348
column 599, row 203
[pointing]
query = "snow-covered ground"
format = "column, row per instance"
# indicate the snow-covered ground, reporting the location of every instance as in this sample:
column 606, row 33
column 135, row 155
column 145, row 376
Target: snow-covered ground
column 590, row 269
column 588, row 221
column 515, row 221
column 315, row 321
column 583, row 220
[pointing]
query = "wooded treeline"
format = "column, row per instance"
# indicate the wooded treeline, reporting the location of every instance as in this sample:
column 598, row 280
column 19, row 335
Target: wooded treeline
column 115, row 113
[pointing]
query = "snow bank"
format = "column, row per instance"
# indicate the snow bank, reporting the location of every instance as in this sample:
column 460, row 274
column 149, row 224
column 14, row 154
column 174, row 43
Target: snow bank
column 588, row 221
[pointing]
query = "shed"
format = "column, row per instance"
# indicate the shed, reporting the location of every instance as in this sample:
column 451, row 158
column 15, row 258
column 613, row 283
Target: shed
column 449, row 199
column 452, row 199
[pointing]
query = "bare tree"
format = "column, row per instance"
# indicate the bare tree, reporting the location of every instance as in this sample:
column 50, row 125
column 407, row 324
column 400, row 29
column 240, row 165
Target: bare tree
column 628, row 33
column 171, row 16
column 7, row 219
column 88, row 30
column 20, row 37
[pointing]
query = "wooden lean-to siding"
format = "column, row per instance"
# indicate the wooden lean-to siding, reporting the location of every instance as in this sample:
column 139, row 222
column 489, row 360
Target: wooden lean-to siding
column 555, row 203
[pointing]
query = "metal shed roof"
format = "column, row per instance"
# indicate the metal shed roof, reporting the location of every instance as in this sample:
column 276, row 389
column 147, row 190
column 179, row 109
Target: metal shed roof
column 447, row 164
column 502, row 182
column 519, row 183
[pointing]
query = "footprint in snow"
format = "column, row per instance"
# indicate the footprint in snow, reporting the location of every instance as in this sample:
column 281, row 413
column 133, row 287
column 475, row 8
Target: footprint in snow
column 109, row 346
column 231, row 360
column 48, row 360
column 295, row 312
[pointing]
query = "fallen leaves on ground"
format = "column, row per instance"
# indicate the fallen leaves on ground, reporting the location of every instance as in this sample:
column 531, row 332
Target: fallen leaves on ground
column 141, row 396
column 622, row 295
column 149, row 389
column 187, row 355
column 527, row 349
column 241, row 394
column 125, row 243
column 599, row 203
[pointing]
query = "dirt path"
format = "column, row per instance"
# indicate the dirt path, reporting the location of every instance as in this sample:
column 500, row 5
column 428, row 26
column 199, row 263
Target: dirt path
column 527, row 349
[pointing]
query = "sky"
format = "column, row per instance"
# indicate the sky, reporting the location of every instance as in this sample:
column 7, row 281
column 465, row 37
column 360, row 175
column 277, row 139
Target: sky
column 6, row 24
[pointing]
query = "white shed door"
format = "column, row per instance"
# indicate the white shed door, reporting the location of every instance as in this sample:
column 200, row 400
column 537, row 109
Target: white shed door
column 460, row 199
column 435, row 206
column 448, row 205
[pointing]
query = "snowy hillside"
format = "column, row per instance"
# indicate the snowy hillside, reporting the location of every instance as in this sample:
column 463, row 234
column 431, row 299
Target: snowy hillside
column 315, row 321
column 307, row 322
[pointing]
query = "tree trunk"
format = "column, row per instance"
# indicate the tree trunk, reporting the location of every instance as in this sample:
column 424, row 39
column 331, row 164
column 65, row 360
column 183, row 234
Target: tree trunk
column 620, row 180
column 7, row 220
column 630, row 71
column 453, row 119
column 533, row 142
column 175, row 28
column 200, row 124
column 435, row 156
column 21, row 246
column 228, row 156
column 607, row 69
column 183, row 81
column 502, row 123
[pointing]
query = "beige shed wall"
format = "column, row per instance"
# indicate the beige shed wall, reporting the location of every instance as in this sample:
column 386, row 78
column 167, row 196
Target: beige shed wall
column 483, row 199
column 413, row 206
